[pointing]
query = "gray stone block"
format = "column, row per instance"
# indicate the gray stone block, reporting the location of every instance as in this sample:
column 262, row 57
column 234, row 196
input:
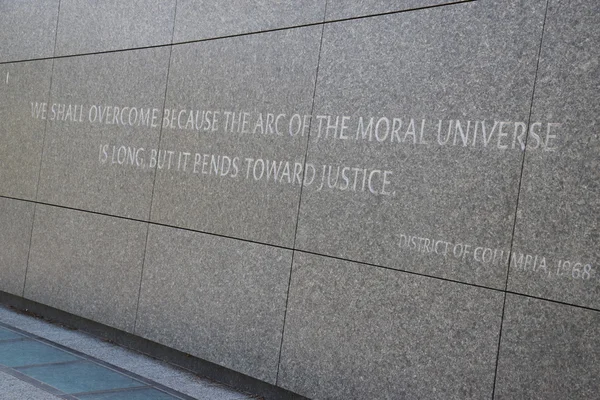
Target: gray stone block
column 16, row 219
column 202, row 19
column 104, row 122
column 27, row 29
column 337, row 9
column 557, row 237
column 548, row 351
column 92, row 26
column 216, row 298
column 227, row 101
column 357, row 332
column 25, row 87
column 86, row 264
column 14, row 388
column 418, row 130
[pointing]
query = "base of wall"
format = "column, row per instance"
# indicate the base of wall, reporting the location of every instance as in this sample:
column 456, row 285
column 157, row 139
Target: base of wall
column 196, row 365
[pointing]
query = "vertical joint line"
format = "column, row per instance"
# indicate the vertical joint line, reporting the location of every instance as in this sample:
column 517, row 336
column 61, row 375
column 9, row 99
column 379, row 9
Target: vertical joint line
column 137, row 304
column 152, row 196
column 535, row 78
column 29, row 252
column 56, row 33
column 287, row 298
column 174, row 22
column 37, row 186
column 510, row 254
column 48, row 101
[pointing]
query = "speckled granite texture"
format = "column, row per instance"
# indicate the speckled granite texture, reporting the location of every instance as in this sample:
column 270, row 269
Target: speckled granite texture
column 339, row 199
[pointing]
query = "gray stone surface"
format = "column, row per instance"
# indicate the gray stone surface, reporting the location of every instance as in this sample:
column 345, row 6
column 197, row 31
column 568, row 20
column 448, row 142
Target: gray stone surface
column 558, row 221
column 12, row 388
column 270, row 73
column 203, row 19
column 358, row 332
column 16, row 220
column 216, row 298
column 27, row 29
column 91, row 26
column 337, row 9
column 548, row 351
column 22, row 85
column 199, row 389
column 437, row 204
column 88, row 265
column 116, row 182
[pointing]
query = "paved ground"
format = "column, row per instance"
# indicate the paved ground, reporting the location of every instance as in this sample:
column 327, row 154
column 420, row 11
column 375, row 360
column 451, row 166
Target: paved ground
column 40, row 360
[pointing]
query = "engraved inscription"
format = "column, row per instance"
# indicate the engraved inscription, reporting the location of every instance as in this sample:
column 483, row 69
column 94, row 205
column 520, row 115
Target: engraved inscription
column 538, row 266
column 375, row 180
column 331, row 177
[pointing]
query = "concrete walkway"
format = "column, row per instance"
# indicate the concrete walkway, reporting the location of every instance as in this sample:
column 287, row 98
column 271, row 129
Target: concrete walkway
column 40, row 360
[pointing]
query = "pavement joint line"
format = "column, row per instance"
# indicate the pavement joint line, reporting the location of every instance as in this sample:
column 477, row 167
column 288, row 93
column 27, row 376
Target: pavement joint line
column 49, row 364
column 24, row 339
column 84, row 357
column 34, row 382
column 117, row 390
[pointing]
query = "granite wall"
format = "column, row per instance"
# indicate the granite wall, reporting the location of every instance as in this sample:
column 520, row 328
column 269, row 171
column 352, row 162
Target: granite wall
column 347, row 199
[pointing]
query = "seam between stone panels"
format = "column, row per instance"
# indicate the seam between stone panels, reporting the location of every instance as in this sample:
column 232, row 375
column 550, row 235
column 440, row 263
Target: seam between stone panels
column 56, row 33
column 562, row 303
column 512, row 240
column 48, row 101
column 174, row 22
column 400, row 270
column 499, row 343
column 146, row 222
column 303, row 251
column 287, row 297
column 401, row 11
column 37, row 186
column 258, row 243
column 137, row 305
column 525, row 145
column 29, row 251
column 333, row 21
column 161, row 125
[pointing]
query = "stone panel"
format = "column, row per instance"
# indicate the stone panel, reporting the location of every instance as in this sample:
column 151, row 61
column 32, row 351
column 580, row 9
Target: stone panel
column 357, row 332
column 203, row 19
column 86, row 264
column 226, row 103
column 16, row 218
column 337, row 9
column 24, row 88
column 419, row 129
column 27, row 29
column 549, row 351
column 557, row 239
column 219, row 299
column 91, row 26
column 104, row 121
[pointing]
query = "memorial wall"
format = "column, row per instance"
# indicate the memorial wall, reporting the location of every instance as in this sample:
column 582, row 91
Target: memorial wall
column 345, row 199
